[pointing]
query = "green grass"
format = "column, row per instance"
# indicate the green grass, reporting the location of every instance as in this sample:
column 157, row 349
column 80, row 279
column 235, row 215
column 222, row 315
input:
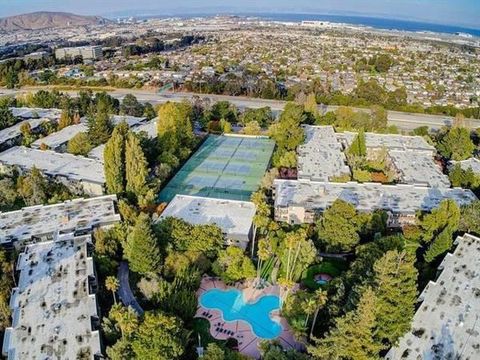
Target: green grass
column 332, row 267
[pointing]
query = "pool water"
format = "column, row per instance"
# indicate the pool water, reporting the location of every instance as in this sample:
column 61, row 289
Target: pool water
column 233, row 307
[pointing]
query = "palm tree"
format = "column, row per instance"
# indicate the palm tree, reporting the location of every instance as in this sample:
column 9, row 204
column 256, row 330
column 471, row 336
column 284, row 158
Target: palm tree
column 320, row 297
column 112, row 284
column 309, row 307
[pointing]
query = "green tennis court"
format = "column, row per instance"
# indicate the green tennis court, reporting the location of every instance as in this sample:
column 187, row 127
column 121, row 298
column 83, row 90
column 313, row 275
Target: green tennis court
column 225, row 167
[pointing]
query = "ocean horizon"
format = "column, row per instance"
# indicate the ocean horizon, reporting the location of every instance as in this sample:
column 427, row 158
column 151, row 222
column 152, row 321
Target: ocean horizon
column 373, row 22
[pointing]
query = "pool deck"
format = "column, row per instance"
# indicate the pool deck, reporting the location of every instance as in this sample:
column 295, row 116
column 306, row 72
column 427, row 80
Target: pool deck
column 248, row 342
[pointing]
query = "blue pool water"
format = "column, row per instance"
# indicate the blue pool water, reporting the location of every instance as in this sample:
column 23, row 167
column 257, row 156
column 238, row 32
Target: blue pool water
column 233, row 306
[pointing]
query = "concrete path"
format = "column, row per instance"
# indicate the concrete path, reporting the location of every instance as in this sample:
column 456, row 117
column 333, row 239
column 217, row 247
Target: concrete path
column 125, row 293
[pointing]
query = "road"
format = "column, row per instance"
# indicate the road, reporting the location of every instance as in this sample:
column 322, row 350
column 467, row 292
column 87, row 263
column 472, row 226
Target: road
column 404, row 121
column 124, row 291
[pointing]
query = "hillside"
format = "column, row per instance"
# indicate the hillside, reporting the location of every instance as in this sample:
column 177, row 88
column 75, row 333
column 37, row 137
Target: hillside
column 44, row 20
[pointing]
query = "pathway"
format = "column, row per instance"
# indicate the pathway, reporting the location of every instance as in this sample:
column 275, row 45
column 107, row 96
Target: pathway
column 124, row 291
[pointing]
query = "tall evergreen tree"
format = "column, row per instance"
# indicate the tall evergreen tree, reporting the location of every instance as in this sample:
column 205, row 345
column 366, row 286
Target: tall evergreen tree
column 114, row 160
column 141, row 249
column 439, row 227
column 358, row 146
column 136, row 166
column 352, row 338
column 396, row 291
column 99, row 125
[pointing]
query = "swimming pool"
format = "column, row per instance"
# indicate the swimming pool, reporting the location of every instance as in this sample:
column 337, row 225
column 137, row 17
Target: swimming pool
column 233, row 307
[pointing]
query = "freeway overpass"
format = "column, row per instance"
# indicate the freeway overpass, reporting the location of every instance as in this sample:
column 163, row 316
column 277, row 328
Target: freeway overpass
column 404, row 121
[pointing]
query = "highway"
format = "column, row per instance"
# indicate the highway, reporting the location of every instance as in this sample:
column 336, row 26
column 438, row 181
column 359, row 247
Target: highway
column 404, row 121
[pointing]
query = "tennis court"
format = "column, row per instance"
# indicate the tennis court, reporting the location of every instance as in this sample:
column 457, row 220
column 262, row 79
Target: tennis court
column 225, row 167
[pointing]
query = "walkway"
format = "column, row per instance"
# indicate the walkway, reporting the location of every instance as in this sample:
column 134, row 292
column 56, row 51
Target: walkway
column 124, row 291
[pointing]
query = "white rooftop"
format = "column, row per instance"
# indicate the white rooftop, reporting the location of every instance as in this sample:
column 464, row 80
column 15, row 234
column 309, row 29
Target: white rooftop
column 447, row 323
column 321, row 157
column 53, row 305
column 31, row 113
column 472, row 163
column 418, row 168
column 130, row 120
column 389, row 141
column 367, row 196
column 59, row 138
column 13, row 132
column 233, row 217
column 41, row 220
column 55, row 164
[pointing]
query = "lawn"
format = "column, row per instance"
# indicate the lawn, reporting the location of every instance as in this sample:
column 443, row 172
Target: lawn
column 332, row 267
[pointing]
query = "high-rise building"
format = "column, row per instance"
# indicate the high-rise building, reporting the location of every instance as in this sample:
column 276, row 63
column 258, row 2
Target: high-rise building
column 86, row 52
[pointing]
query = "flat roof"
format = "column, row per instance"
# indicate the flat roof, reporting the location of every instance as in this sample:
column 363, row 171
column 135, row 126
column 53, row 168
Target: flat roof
column 224, row 167
column 31, row 113
column 61, row 137
column 39, row 220
column 321, row 157
column 13, row 132
column 401, row 198
column 233, row 217
column 447, row 323
column 389, row 141
column 472, row 163
column 418, row 168
column 52, row 304
column 130, row 120
column 55, row 164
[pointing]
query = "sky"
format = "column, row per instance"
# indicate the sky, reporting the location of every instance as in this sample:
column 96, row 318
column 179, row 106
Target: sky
column 448, row 12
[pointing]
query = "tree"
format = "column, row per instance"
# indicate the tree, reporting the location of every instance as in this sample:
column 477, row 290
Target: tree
column 396, row 290
column 136, row 166
column 6, row 118
column 311, row 105
column 358, row 146
column 99, row 125
column 296, row 254
column 287, row 131
column 174, row 126
column 112, row 284
column 438, row 228
column 130, row 106
column 65, row 120
column 352, row 337
column 232, row 265
column 337, row 229
column 33, row 188
column 379, row 118
column 456, row 144
column 262, row 116
column 79, row 144
column 320, row 299
column 252, row 128
column 141, row 248
column 114, row 160
column 214, row 352
column 126, row 319
column 469, row 218
column 159, row 337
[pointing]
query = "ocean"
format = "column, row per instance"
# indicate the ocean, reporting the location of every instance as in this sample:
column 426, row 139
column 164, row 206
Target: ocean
column 377, row 23
column 374, row 22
